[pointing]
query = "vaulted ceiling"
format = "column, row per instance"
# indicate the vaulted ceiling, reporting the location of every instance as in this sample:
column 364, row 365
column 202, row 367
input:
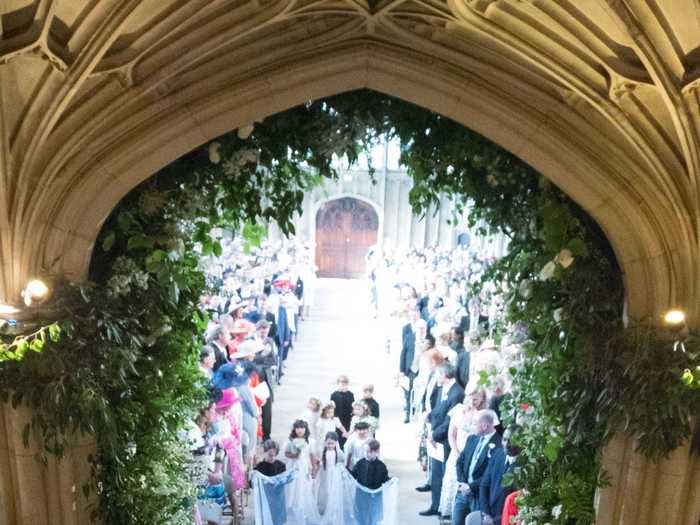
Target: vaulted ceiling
column 601, row 96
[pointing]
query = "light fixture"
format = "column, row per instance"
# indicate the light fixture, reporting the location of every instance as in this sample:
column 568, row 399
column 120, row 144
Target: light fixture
column 674, row 317
column 36, row 290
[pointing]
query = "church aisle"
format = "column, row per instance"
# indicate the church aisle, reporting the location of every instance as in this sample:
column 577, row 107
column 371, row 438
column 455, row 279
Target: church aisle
column 340, row 337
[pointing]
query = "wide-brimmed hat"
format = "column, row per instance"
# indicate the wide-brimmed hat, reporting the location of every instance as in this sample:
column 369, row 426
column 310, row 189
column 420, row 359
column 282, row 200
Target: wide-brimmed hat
column 241, row 326
column 247, row 348
column 231, row 375
column 228, row 398
column 236, row 306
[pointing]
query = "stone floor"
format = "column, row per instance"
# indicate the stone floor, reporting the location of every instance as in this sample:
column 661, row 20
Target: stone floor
column 340, row 337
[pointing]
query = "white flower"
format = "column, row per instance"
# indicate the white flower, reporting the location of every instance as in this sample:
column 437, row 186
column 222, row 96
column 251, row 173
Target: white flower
column 558, row 313
column 245, row 131
column 214, row 153
column 556, row 512
column 565, row 258
column 250, row 155
column 525, row 288
column 547, row 271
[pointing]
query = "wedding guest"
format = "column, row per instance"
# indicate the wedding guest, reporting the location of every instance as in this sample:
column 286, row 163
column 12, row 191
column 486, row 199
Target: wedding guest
column 472, row 464
column 219, row 341
column 492, row 493
column 450, row 395
column 207, row 360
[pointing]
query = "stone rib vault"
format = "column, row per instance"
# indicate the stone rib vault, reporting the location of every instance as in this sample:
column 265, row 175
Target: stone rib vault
column 601, row 96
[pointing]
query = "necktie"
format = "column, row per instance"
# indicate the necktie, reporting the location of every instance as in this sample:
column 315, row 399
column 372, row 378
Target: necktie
column 475, row 458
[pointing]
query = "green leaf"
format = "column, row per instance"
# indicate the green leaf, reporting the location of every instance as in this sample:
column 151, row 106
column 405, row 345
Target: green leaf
column 578, row 247
column 139, row 241
column 124, row 220
column 108, row 241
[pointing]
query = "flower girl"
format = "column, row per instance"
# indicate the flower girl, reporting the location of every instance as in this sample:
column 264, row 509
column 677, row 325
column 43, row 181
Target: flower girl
column 331, row 464
column 300, row 452
column 328, row 422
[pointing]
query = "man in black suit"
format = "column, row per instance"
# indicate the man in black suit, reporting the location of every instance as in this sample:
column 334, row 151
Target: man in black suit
column 472, row 464
column 218, row 340
column 463, row 357
column 492, row 493
column 450, row 394
column 412, row 335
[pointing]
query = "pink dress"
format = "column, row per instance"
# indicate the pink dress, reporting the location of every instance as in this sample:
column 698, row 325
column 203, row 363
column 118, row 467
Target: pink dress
column 229, row 438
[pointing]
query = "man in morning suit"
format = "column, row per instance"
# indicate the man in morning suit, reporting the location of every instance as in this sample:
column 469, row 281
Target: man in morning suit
column 492, row 493
column 450, row 394
column 413, row 334
column 472, row 464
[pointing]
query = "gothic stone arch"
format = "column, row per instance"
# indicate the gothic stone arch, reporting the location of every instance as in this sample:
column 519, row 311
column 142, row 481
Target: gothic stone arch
column 599, row 96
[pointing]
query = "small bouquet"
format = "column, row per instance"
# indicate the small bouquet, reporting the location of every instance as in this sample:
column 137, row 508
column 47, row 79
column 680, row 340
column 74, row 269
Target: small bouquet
column 300, row 444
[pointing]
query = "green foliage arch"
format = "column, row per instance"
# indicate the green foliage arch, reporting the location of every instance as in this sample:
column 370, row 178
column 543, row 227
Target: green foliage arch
column 119, row 361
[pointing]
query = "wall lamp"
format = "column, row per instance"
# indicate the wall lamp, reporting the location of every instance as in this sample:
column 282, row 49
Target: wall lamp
column 36, row 291
column 676, row 328
column 13, row 318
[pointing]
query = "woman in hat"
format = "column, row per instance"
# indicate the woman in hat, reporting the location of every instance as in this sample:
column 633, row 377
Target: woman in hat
column 236, row 377
column 240, row 331
column 227, row 436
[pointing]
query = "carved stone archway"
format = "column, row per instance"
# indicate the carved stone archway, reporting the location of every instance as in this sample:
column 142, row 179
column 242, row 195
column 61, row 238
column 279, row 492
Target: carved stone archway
column 600, row 96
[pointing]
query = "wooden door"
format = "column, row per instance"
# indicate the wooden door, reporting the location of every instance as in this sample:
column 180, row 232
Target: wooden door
column 345, row 230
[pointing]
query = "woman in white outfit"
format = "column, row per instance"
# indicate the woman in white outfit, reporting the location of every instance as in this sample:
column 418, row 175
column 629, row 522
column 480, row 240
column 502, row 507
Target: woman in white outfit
column 461, row 418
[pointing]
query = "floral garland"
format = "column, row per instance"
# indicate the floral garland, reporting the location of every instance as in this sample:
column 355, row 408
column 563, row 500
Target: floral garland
column 121, row 360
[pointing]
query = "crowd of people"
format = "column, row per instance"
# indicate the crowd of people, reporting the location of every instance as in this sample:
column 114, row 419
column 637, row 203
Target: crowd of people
column 330, row 470
column 454, row 376
column 262, row 295
column 453, row 373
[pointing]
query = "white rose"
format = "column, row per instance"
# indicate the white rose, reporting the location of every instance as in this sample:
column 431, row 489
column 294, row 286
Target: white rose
column 565, row 258
column 558, row 314
column 214, row 154
column 525, row 288
column 547, row 271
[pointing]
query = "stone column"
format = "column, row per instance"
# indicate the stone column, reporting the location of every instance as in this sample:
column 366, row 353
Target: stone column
column 32, row 493
column 647, row 493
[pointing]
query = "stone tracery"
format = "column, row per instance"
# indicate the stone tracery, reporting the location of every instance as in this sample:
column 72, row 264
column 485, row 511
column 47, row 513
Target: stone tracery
column 95, row 96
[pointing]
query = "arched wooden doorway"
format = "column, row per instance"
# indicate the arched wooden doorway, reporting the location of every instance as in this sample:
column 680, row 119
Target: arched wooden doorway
column 345, row 229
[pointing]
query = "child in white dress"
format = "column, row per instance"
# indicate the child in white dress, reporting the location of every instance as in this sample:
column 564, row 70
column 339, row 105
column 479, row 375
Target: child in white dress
column 332, row 459
column 311, row 416
column 300, row 452
column 356, row 445
column 328, row 422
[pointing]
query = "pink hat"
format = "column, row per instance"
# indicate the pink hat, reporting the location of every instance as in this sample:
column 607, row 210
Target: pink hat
column 227, row 399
